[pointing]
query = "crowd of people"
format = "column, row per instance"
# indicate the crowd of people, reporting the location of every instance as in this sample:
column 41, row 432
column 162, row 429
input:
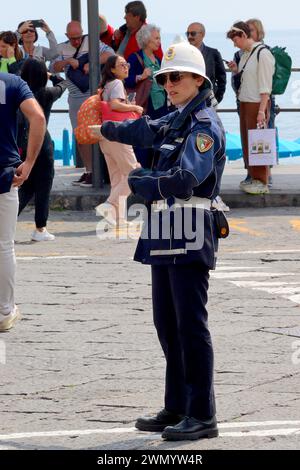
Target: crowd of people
column 139, row 43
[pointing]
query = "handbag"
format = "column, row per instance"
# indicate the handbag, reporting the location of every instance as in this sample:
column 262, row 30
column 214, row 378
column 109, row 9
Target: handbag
column 77, row 76
column 142, row 88
column 108, row 114
column 142, row 93
column 237, row 81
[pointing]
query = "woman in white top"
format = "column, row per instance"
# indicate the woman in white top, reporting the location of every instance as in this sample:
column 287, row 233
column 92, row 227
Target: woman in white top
column 257, row 32
column 254, row 96
column 120, row 158
column 27, row 35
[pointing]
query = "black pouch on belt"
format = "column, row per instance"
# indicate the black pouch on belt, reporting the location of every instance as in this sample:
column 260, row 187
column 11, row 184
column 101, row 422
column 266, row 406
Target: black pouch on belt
column 221, row 223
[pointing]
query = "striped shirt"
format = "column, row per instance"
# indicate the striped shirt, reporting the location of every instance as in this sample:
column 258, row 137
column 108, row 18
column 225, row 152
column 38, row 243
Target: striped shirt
column 67, row 51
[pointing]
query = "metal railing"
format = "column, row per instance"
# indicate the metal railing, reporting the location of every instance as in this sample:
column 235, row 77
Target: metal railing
column 278, row 108
column 221, row 110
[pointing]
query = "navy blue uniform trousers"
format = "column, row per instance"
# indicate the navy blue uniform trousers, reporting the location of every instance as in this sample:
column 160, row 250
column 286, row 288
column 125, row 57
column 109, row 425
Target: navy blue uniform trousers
column 179, row 293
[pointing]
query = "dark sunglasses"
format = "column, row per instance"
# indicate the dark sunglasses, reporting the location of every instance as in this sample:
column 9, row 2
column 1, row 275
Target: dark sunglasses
column 174, row 77
column 29, row 31
column 192, row 33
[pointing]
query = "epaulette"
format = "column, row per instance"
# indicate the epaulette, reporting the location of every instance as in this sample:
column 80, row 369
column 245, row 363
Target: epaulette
column 202, row 115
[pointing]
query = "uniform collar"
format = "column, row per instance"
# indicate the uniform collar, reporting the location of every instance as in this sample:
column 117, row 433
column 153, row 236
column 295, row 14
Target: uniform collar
column 197, row 103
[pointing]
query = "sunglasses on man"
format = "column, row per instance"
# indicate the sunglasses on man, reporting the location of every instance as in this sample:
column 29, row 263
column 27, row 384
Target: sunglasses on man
column 174, row 77
column 193, row 34
column 75, row 38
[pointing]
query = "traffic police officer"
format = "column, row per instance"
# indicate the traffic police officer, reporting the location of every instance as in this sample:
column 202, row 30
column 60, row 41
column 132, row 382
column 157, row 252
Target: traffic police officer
column 186, row 173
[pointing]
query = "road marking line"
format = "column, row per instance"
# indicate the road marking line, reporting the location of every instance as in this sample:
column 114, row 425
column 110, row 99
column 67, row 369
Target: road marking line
column 261, row 252
column 234, row 268
column 87, row 432
column 262, row 433
column 253, row 424
column 31, row 258
column 263, row 284
column 293, row 298
column 78, row 432
column 279, row 291
column 235, row 224
column 278, row 288
column 295, row 223
column 240, row 274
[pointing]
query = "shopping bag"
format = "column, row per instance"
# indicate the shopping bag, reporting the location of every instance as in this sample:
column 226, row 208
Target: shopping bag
column 262, row 147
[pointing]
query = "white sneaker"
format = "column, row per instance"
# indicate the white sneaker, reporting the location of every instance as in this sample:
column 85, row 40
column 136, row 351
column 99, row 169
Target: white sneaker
column 247, row 180
column 44, row 236
column 108, row 212
column 256, row 187
column 220, row 205
column 8, row 321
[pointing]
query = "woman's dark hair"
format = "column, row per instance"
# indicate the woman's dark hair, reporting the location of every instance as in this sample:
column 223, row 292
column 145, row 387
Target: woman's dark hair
column 10, row 38
column 240, row 25
column 35, row 32
column 34, row 72
column 107, row 74
column 137, row 9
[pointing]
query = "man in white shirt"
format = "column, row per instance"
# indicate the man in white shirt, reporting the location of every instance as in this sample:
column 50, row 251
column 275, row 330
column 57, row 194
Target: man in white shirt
column 80, row 43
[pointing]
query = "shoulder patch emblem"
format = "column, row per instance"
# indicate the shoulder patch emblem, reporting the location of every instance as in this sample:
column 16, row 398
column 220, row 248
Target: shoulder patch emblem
column 204, row 142
column 170, row 54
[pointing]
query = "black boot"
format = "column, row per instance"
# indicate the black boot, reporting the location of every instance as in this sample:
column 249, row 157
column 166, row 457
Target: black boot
column 159, row 422
column 191, row 429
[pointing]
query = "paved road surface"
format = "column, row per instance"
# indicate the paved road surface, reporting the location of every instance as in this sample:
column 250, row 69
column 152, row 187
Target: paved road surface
column 85, row 362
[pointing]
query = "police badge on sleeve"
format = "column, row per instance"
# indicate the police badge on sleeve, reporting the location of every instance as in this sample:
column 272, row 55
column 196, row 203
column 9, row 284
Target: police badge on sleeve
column 204, row 142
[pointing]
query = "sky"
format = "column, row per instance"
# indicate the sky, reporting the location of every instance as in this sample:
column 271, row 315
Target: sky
column 172, row 16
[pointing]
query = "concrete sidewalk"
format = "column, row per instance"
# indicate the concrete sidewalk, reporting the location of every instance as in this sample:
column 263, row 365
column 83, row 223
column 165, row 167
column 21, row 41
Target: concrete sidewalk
column 284, row 193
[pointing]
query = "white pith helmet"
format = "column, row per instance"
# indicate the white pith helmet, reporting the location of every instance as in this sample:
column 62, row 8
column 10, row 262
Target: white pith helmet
column 183, row 57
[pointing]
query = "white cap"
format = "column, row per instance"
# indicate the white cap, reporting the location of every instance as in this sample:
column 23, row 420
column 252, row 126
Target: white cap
column 183, row 57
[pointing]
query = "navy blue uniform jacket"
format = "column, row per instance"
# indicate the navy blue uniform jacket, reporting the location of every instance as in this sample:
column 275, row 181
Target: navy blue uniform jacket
column 189, row 161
